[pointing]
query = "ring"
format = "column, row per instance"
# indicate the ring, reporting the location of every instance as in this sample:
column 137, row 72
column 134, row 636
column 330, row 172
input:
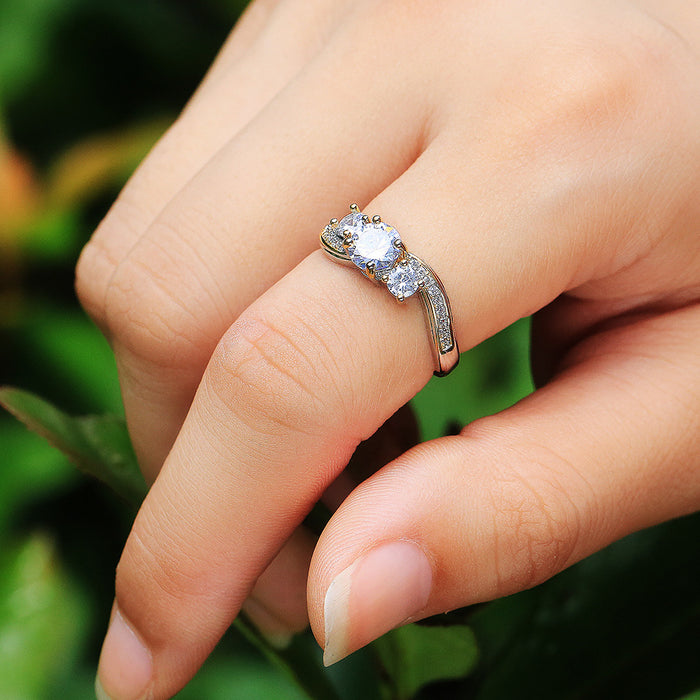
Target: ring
column 376, row 249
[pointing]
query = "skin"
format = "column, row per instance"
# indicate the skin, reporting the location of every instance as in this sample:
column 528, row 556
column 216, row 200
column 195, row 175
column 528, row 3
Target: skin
column 544, row 158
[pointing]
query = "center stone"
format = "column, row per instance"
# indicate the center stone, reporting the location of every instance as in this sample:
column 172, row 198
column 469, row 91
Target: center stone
column 374, row 243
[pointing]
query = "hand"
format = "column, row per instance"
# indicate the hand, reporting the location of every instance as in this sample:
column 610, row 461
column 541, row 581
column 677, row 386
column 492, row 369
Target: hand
column 541, row 157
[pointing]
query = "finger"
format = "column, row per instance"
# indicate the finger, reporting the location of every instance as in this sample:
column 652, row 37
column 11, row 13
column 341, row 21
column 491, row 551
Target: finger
column 247, row 29
column 219, row 244
column 398, row 434
column 611, row 446
column 269, row 46
column 255, row 453
column 277, row 603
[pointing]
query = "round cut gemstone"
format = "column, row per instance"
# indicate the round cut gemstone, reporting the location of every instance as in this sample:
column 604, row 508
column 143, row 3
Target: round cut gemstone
column 402, row 281
column 373, row 243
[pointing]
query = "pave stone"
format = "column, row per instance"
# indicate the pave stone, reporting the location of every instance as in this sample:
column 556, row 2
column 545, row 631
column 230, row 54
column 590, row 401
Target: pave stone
column 332, row 236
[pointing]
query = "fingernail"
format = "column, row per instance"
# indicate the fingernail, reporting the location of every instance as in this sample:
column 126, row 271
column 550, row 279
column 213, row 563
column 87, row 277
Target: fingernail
column 126, row 666
column 273, row 629
column 100, row 691
column 381, row 590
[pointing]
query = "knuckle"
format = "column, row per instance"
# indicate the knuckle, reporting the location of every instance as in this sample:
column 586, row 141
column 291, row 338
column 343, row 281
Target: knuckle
column 93, row 270
column 542, row 530
column 589, row 85
column 589, row 92
column 90, row 286
column 275, row 370
column 155, row 308
column 141, row 318
column 103, row 254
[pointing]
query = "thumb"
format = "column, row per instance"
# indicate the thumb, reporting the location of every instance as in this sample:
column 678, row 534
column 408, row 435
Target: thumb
column 611, row 446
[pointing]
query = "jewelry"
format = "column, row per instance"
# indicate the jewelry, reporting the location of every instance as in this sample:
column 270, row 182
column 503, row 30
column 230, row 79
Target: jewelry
column 376, row 249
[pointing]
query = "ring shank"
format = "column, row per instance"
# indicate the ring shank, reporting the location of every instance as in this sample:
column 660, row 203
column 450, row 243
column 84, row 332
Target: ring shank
column 438, row 314
column 439, row 317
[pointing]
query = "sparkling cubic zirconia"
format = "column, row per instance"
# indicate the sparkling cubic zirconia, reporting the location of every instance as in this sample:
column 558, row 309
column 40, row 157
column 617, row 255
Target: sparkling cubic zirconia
column 371, row 243
column 402, row 281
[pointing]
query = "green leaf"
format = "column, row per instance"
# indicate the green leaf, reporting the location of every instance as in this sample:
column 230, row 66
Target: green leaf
column 98, row 445
column 622, row 623
column 239, row 677
column 42, row 620
column 31, row 471
column 416, row 655
column 64, row 348
column 51, row 236
column 296, row 661
column 25, row 41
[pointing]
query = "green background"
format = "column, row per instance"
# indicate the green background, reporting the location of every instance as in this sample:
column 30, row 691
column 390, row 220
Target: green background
column 86, row 87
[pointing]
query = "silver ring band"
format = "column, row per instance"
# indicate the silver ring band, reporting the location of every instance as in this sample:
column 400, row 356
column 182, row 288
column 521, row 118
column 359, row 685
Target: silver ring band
column 377, row 250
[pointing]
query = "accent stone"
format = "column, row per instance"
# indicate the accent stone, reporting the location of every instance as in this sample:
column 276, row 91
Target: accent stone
column 350, row 222
column 402, row 281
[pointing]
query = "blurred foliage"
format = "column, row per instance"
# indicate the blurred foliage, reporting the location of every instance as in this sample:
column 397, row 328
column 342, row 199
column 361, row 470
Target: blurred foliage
column 40, row 611
column 415, row 656
column 85, row 89
column 97, row 445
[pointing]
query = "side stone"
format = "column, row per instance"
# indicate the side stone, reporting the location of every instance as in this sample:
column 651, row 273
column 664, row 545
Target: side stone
column 402, row 281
